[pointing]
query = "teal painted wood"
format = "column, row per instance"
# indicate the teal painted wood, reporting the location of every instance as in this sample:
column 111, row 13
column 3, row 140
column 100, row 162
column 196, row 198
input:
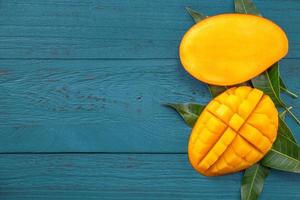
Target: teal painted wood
column 90, row 76
column 116, row 29
column 126, row 176
column 102, row 106
column 91, row 105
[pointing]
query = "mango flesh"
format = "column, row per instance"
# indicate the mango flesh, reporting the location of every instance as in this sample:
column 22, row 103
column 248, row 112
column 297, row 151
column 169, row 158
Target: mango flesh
column 234, row 131
column 229, row 49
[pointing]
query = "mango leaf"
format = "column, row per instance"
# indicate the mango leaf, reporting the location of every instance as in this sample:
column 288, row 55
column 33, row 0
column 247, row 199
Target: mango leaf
column 283, row 88
column 268, row 82
column 284, row 155
column 282, row 115
column 197, row 17
column 215, row 90
column 246, row 7
column 285, row 130
column 283, row 127
column 188, row 111
column 253, row 181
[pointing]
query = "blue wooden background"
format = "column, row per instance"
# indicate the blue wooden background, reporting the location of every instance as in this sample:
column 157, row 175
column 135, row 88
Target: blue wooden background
column 82, row 85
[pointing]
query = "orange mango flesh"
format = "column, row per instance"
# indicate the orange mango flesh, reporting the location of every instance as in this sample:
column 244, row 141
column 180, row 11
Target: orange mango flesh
column 234, row 131
column 229, row 49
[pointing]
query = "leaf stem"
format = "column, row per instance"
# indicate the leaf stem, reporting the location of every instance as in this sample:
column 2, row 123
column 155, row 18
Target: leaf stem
column 283, row 113
column 289, row 92
column 292, row 115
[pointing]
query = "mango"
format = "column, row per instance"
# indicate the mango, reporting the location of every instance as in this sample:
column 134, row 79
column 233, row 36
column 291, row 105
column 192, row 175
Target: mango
column 234, row 131
column 228, row 49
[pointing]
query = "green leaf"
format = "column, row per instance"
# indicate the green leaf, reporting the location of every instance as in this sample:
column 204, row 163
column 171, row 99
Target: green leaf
column 253, row 181
column 197, row 17
column 215, row 90
column 246, row 7
column 282, row 115
column 188, row 111
column 284, row 155
column 283, row 88
column 268, row 82
column 285, row 130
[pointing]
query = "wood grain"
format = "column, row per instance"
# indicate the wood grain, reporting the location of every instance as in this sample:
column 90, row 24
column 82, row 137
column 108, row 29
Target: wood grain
column 117, row 29
column 101, row 106
column 91, row 105
column 91, row 76
column 126, row 176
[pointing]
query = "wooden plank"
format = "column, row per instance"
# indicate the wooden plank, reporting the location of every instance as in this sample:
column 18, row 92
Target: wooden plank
column 101, row 105
column 126, row 176
column 92, row 105
column 116, row 29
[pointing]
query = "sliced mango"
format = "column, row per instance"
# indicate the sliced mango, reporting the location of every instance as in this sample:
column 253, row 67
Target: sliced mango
column 233, row 132
column 228, row 49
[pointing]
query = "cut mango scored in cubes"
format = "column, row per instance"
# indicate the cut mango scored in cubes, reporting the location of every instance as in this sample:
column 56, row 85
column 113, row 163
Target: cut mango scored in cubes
column 234, row 131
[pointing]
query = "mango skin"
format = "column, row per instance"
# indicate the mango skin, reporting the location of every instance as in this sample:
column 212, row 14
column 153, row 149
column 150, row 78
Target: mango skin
column 234, row 131
column 228, row 49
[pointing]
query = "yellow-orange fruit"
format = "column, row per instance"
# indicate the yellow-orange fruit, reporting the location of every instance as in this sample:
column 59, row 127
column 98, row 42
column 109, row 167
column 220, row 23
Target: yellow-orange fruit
column 229, row 49
column 234, row 131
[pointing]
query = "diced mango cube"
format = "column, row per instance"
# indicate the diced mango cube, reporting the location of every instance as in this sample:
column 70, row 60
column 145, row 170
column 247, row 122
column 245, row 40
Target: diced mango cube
column 243, row 91
column 222, row 97
column 254, row 96
column 255, row 137
column 213, row 106
column 215, row 125
column 208, row 137
column 236, row 122
column 241, row 147
column 224, row 113
column 232, row 102
column 253, row 156
column 245, row 108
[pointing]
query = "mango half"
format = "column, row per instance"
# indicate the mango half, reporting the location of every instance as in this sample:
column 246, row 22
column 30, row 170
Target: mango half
column 234, row 131
column 228, row 49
